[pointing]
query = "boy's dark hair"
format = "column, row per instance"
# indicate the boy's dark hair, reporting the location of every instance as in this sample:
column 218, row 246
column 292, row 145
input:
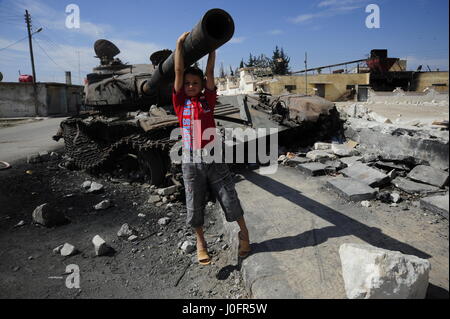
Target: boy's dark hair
column 194, row 71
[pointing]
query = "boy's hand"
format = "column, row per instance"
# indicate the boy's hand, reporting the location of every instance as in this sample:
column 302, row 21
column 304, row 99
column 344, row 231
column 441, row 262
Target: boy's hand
column 183, row 37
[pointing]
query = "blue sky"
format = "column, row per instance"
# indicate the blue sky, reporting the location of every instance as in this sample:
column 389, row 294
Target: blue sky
column 331, row 31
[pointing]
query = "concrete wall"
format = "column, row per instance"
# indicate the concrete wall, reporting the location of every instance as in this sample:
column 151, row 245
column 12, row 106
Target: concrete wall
column 335, row 84
column 399, row 96
column 427, row 79
column 16, row 99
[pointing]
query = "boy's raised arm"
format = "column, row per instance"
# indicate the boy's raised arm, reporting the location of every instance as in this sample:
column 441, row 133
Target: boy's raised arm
column 179, row 63
column 210, row 85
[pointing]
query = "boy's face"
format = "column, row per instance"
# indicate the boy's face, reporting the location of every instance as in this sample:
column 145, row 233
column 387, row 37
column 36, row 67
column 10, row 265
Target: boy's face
column 192, row 85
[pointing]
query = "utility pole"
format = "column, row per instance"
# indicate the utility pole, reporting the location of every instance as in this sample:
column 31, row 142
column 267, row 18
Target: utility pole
column 306, row 74
column 28, row 21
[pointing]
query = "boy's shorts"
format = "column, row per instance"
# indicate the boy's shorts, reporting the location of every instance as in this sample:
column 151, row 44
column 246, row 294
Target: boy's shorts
column 215, row 177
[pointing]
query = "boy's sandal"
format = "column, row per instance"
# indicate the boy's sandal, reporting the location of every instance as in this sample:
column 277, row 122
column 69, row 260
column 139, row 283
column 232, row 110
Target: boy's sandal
column 244, row 247
column 203, row 257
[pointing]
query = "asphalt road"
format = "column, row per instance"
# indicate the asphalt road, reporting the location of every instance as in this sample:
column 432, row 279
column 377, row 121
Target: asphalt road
column 17, row 142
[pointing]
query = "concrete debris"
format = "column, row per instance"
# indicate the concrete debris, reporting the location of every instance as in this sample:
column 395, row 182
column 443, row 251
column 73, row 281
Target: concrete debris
column 154, row 199
column 366, row 175
column 374, row 273
column 365, row 203
column 395, row 197
column 68, row 250
column 48, row 216
column 296, row 160
column 392, row 174
column 168, row 190
column 57, row 250
column 312, row 169
column 104, row 204
column 210, row 204
column 164, row 221
column 86, row 185
column 351, row 189
column 95, row 188
column 343, row 150
column 369, row 158
column 411, row 187
column 188, row 247
column 349, row 161
column 126, row 231
column 429, row 175
column 436, row 204
column 384, row 197
column 390, row 166
column 19, row 224
column 335, row 165
column 133, row 238
column 322, row 146
column 318, row 155
column 142, row 215
column 100, row 246
column 281, row 158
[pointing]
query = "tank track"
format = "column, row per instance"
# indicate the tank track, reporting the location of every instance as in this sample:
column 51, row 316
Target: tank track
column 93, row 153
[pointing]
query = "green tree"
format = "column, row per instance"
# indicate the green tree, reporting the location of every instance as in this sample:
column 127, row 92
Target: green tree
column 242, row 64
column 280, row 62
column 231, row 71
column 222, row 71
column 251, row 61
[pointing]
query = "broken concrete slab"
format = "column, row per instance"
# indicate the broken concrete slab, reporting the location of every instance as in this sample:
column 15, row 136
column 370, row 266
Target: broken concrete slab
column 429, row 175
column 322, row 146
column 436, row 204
column 46, row 215
column 374, row 273
column 351, row 189
column 318, row 155
column 312, row 169
column 411, row 187
column 349, row 161
column 343, row 150
column 293, row 162
column 391, row 165
column 366, row 175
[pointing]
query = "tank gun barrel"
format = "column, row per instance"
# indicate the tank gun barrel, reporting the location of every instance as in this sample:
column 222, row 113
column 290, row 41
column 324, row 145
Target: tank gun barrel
column 213, row 30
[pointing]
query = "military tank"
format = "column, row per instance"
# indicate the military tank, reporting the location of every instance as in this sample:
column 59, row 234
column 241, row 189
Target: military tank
column 131, row 113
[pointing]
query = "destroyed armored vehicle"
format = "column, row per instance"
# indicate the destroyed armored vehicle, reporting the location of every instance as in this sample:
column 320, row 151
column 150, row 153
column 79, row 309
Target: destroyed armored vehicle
column 131, row 112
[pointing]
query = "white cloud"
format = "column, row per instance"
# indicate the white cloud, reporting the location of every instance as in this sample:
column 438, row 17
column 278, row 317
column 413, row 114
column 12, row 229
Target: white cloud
column 329, row 8
column 275, row 32
column 237, row 40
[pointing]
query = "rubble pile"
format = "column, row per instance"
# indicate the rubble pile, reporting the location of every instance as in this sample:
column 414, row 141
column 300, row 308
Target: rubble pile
column 363, row 177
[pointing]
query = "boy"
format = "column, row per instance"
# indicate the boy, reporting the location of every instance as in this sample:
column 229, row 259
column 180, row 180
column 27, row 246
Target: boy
column 195, row 112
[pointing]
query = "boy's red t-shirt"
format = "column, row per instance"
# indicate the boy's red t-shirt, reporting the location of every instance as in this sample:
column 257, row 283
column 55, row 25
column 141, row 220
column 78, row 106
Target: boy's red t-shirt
column 195, row 115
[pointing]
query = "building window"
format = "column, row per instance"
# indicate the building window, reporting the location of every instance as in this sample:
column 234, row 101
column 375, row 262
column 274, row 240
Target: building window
column 290, row 88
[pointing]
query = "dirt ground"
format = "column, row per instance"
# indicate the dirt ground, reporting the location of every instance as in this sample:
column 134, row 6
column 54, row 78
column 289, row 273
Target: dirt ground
column 152, row 267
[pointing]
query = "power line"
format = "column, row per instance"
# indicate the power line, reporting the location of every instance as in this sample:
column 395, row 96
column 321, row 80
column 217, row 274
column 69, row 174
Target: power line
column 37, row 42
column 13, row 43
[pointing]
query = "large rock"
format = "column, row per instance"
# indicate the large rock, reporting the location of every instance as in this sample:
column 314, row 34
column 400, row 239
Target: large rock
column 100, row 246
column 312, row 169
column 374, row 273
column 366, row 175
column 436, row 204
column 104, row 204
column 351, row 189
column 48, row 216
column 68, row 250
column 343, row 150
column 126, row 231
column 429, row 175
column 167, row 191
column 95, row 188
column 413, row 187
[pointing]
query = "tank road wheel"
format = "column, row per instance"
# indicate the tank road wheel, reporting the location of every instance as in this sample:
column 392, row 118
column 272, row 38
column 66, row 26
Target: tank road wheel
column 153, row 166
